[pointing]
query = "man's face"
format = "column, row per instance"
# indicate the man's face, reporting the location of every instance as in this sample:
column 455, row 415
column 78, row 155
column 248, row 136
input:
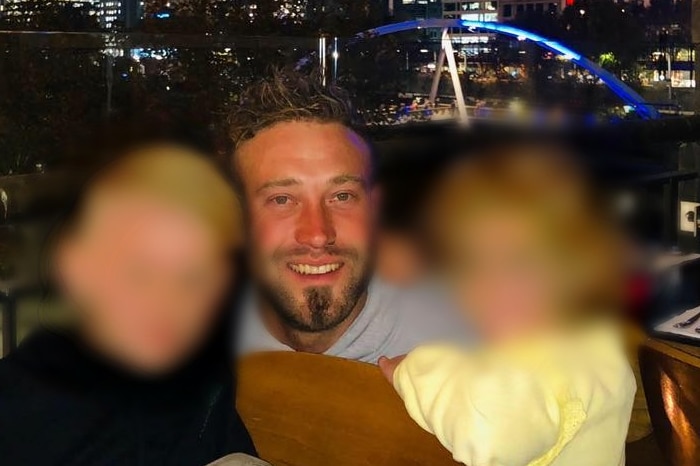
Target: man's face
column 311, row 215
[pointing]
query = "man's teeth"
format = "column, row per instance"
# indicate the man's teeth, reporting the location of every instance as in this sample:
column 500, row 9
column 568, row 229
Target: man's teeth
column 306, row 269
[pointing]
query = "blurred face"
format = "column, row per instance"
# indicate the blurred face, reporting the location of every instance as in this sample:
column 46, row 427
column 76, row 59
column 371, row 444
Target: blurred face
column 311, row 214
column 506, row 277
column 147, row 278
column 399, row 259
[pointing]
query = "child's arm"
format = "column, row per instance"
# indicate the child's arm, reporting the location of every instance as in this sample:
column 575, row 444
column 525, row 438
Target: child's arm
column 486, row 411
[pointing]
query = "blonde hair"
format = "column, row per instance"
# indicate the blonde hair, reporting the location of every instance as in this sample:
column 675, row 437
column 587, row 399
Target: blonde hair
column 180, row 177
column 545, row 183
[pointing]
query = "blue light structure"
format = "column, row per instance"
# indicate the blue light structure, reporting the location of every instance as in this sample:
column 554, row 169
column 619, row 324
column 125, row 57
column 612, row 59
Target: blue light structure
column 622, row 90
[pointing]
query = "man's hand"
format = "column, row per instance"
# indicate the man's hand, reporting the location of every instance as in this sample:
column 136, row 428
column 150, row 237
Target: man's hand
column 388, row 366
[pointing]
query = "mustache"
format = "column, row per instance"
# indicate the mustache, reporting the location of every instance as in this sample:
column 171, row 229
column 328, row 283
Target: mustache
column 348, row 253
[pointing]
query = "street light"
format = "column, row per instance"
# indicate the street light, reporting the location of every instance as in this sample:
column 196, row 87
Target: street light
column 322, row 50
column 336, row 54
column 668, row 77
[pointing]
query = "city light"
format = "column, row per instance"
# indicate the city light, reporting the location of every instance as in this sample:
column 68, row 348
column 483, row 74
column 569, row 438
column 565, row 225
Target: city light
column 627, row 94
column 521, row 34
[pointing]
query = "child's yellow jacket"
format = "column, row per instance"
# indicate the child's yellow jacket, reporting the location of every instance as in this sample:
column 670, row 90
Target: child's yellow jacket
column 555, row 400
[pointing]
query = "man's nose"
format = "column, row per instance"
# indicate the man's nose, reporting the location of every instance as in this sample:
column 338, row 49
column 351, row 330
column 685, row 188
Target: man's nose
column 315, row 227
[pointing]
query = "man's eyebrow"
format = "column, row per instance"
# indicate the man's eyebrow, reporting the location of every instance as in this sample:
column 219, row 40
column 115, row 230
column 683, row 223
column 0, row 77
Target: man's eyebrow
column 342, row 179
column 286, row 182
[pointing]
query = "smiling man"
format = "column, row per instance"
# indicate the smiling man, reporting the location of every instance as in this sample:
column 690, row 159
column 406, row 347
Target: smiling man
column 307, row 179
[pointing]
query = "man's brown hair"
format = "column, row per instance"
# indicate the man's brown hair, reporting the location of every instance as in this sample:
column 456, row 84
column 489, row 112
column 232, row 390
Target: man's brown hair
column 288, row 95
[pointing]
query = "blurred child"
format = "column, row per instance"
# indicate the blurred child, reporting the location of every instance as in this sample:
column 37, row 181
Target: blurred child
column 537, row 272
column 142, row 375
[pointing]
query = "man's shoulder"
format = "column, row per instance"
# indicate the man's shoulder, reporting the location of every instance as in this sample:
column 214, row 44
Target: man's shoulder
column 420, row 314
column 423, row 300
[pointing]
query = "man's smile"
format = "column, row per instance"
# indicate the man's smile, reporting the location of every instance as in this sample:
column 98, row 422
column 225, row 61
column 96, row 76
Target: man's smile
column 316, row 269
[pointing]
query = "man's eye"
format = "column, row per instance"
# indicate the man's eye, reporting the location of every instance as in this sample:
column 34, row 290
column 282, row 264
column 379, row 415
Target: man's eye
column 343, row 197
column 280, row 200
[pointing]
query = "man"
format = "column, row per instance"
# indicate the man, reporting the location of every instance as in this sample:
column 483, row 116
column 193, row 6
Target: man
column 307, row 178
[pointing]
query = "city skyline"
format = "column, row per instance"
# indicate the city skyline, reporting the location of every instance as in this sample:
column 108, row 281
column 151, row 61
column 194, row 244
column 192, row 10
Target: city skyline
column 107, row 12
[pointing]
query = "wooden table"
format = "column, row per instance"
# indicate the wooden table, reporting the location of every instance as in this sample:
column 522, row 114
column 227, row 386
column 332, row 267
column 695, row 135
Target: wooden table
column 640, row 423
column 671, row 373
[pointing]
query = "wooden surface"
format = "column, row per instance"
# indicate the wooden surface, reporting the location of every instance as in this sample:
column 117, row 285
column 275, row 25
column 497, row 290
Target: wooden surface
column 671, row 375
column 681, row 350
column 640, row 424
column 311, row 410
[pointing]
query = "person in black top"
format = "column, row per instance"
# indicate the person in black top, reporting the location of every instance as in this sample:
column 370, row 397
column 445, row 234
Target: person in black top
column 142, row 375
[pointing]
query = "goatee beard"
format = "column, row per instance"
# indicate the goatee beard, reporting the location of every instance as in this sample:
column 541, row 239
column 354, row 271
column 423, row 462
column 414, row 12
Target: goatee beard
column 318, row 301
column 317, row 311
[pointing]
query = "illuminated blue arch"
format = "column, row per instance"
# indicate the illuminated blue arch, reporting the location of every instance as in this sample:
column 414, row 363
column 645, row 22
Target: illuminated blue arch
column 626, row 93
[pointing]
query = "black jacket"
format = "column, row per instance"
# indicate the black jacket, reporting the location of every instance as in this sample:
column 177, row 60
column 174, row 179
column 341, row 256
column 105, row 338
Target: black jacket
column 62, row 405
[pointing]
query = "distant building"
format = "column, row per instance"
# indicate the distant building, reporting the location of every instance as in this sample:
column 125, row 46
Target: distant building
column 25, row 9
column 411, row 10
column 288, row 11
column 496, row 10
column 120, row 14
column 510, row 9
column 405, row 10
column 470, row 10
column 501, row 10
column 473, row 11
column 110, row 14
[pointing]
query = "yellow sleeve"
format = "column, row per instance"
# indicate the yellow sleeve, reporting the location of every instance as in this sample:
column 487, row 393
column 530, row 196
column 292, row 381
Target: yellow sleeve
column 488, row 410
